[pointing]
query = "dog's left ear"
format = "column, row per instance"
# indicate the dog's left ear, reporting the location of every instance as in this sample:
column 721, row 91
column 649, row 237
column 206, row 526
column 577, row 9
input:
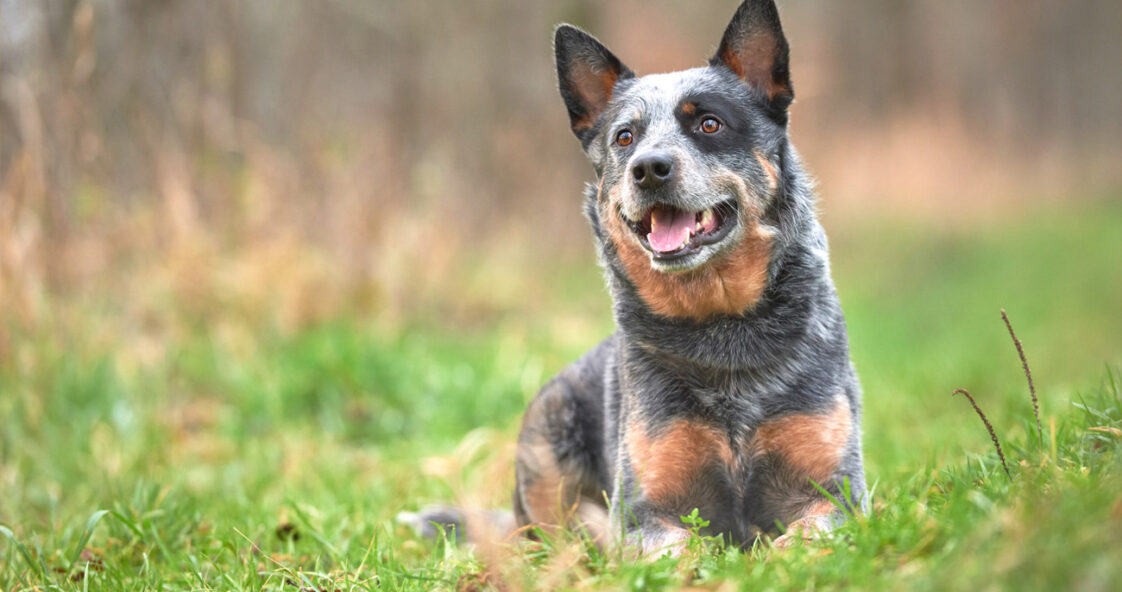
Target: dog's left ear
column 755, row 49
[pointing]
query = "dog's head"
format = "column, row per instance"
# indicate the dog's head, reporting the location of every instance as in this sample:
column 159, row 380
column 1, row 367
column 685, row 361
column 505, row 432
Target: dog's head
column 687, row 163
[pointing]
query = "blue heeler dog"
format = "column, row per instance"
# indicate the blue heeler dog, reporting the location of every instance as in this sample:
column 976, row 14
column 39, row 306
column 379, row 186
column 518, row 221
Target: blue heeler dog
column 727, row 386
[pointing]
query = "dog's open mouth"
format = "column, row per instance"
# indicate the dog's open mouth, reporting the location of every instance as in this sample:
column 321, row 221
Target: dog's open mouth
column 670, row 233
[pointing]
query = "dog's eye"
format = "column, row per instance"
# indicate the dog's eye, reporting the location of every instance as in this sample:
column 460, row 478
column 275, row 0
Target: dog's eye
column 710, row 125
column 624, row 138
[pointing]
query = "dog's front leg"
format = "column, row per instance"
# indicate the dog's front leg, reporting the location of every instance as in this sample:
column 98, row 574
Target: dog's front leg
column 798, row 457
column 666, row 469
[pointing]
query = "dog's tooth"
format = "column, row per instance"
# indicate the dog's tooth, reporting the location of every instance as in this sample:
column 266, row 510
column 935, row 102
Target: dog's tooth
column 706, row 218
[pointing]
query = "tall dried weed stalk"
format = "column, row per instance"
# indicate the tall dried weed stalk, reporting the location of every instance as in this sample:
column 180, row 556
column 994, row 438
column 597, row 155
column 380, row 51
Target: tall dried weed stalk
column 1028, row 377
column 989, row 428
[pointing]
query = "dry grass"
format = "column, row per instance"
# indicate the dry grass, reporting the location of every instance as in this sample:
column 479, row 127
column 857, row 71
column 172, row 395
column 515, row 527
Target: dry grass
column 989, row 428
column 1028, row 377
column 385, row 193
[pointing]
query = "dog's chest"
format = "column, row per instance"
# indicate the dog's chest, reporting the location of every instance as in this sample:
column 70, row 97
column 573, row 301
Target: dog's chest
column 714, row 453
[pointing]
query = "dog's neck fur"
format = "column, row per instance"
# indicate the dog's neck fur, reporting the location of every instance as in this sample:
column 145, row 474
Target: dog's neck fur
column 776, row 327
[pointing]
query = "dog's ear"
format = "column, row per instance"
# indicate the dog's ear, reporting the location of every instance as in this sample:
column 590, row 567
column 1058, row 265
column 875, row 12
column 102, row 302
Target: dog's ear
column 587, row 74
column 755, row 49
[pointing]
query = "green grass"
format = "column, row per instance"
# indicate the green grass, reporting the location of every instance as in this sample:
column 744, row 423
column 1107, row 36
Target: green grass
column 223, row 453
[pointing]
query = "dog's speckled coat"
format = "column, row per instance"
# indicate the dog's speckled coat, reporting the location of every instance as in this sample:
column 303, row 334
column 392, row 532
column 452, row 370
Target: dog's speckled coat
column 727, row 386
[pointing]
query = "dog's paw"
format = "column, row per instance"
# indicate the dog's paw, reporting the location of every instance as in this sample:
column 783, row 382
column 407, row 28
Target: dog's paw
column 660, row 544
column 429, row 521
column 805, row 531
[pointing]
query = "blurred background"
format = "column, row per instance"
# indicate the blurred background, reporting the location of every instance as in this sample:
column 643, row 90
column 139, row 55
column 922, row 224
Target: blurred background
column 359, row 219
column 391, row 139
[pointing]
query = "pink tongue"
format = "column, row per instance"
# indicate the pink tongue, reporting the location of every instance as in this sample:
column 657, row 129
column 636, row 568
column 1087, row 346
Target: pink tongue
column 670, row 229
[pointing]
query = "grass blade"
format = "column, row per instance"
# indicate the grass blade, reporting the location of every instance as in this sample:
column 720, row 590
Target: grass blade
column 36, row 566
column 76, row 554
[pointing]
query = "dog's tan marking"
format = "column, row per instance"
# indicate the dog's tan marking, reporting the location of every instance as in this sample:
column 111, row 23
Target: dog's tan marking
column 546, row 489
column 689, row 108
column 553, row 493
column 595, row 90
column 772, row 176
column 542, row 495
column 666, row 463
column 810, row 444
column 823, row 507
column 730, row 284
column 551, row 498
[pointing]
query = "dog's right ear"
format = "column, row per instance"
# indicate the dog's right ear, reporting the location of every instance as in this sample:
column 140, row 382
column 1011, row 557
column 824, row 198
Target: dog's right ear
column 587, row 74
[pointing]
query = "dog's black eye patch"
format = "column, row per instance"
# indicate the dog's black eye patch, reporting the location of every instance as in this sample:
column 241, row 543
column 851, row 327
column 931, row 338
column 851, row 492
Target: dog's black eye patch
column 734, row 118
column 692, row 109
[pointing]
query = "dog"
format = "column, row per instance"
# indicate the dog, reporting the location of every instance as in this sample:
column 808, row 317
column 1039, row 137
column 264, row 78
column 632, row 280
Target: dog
column 727, row 386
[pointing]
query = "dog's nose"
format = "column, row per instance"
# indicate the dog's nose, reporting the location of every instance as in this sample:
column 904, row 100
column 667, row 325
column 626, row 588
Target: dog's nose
column 652, row 170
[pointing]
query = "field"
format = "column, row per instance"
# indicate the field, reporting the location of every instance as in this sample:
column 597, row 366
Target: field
column 157, row 437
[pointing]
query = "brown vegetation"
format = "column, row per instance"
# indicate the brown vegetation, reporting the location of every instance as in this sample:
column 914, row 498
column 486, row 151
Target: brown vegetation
column 295, row 159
